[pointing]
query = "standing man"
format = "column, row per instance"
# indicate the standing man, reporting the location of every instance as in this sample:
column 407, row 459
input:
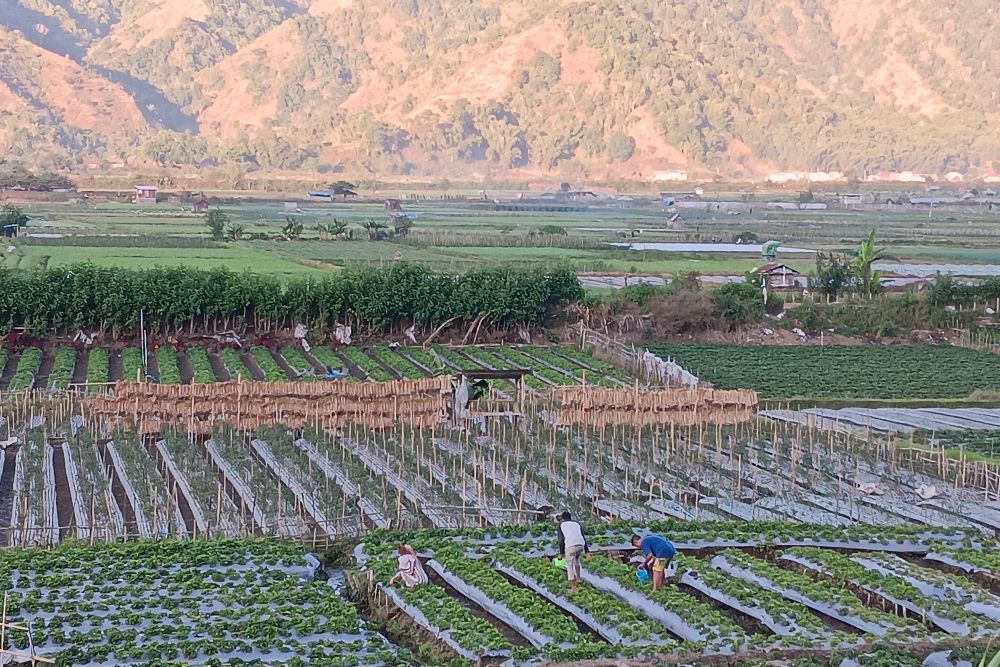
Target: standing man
column 572, row 545
column 659, row 552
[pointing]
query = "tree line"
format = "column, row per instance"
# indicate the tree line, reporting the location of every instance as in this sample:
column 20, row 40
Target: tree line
column 371, row 300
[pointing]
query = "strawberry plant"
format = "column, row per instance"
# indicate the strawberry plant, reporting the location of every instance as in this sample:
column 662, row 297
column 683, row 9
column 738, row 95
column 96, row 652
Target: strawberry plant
column 97, row 368
column 272, row 371
column 604, row 607
column 540, row 615
column 201, row 367
column 235, row 365
column 27, row 369
column 366, row 364
column 62, row 370
column 890, row 372
column 166, row 360
column 406, row 368
column 132, row 365
column 299, row 363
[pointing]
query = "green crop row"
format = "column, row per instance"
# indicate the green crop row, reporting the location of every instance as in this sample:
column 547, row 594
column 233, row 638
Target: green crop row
column 170, row 372
column 404, row 367
column 366, row 364
column 856, row 371
column 27, row 369
column 132, row 365
column 62, row 370
column 272, row 371
column 98, row 365
column 201, row 367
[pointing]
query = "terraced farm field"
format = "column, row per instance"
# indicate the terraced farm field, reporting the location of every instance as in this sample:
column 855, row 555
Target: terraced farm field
column 841, row 372
column 547, row 366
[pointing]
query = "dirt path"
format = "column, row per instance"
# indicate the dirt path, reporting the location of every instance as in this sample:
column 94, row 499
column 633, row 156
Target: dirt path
column 285, row 366
column 7, row 495
column 219, row 367
column 45, row 369
column 64, row 500
column 184, row 366
column 118, row 491
column 81, row 367
column 8, row 371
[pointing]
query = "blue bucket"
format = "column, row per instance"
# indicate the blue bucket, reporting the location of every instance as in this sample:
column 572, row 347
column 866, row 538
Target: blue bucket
column 642, row 575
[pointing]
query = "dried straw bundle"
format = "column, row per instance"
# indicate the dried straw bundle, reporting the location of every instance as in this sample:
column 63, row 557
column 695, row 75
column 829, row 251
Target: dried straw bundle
column 598, row 406
column 249, row 406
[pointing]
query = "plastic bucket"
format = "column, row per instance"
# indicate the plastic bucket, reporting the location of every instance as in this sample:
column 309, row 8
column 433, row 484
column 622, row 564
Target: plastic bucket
column 642, row 575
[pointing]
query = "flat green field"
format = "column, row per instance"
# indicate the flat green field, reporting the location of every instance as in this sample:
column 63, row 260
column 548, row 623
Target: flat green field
column 841, row 372
column 235, row 257
column 453, row 236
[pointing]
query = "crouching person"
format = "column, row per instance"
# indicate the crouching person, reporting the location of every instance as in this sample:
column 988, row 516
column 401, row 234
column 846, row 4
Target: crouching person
column 410, row 570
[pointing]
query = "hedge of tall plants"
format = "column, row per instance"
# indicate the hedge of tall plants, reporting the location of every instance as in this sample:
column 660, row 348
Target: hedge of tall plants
column 110, row 299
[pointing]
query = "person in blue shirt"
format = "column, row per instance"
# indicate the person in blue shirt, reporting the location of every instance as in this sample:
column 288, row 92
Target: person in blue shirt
column 659, row 552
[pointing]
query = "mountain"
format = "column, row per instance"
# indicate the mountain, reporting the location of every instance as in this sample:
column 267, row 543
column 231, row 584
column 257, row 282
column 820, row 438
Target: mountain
column 454, row 87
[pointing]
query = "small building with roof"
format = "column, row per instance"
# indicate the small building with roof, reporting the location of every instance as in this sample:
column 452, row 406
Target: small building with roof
column 145, row 194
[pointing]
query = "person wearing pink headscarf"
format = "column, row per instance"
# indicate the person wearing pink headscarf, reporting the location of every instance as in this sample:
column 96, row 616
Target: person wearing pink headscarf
column 410, row 570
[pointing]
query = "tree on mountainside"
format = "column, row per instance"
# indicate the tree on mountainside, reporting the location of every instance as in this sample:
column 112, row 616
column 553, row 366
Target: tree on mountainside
column 621, row 147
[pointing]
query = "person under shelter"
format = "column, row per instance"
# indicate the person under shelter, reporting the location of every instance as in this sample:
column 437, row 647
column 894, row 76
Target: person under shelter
column 410, row 571
column 572, row 545
column 659, row 551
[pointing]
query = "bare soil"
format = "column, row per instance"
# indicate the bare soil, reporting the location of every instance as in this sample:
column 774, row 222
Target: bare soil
column 64, row 501
column 7, row 494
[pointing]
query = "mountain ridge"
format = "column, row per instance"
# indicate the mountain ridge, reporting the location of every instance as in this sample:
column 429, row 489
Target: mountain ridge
column 566, row 88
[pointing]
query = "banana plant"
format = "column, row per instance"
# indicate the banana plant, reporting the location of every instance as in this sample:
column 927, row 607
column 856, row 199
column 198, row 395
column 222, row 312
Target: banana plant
column 868, row 280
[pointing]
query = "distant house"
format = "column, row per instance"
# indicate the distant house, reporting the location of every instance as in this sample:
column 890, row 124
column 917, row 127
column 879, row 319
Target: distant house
column 145, row 194
column 200, row 206
column 780, row 276
column 852, row 199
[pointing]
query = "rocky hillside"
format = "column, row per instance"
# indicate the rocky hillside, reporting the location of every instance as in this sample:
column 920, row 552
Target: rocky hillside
column 453, row 87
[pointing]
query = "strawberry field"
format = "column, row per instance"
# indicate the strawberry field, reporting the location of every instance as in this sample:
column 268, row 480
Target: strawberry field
column 60, row 368
column 743, row 590
column 841, row 372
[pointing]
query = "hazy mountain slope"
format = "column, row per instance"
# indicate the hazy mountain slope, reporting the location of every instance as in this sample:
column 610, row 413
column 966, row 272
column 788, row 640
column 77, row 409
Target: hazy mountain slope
column 429, row 86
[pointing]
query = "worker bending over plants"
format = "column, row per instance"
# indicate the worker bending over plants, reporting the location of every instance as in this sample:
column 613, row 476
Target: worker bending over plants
column 659, row 551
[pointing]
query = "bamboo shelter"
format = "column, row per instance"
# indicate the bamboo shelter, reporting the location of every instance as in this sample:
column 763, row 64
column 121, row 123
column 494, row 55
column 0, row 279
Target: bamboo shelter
column 596, row 406
column 250, row 406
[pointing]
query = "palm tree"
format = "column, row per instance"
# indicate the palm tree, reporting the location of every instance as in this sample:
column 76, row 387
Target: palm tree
column 864, row 258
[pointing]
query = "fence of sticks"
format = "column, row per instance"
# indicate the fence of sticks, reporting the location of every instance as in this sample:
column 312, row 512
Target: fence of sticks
column 253, row 405
column 597, row 406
